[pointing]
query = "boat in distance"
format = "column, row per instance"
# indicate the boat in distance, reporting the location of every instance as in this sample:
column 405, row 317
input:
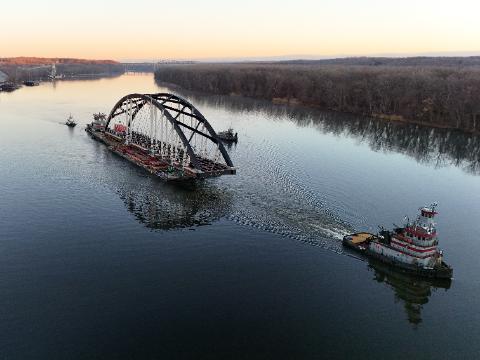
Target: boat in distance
column 9, row 86
column 412, row 248
column 70, row 121
column 31, row 83
column 228, row 136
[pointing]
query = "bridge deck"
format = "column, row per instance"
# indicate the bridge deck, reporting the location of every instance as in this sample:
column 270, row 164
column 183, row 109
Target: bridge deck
column 164, row 167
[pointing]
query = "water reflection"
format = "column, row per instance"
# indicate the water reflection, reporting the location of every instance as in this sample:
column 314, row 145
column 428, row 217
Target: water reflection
column 435, row 147
column 166, row 206
column 413, row 292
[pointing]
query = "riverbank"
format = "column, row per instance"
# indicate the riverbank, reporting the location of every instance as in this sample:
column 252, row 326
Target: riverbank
column 18, row 70
column 436, row 96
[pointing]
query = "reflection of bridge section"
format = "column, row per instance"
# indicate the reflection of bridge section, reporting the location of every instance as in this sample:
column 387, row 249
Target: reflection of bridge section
column 165, row 135
column 163, row 207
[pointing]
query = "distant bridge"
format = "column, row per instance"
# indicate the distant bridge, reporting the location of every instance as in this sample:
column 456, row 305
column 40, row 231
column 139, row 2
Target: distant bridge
column 171, row 131
column 148, row 67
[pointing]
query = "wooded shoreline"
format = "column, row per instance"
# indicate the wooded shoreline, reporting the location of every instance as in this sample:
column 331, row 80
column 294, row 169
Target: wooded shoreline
column 436, row 96
column 19, row 69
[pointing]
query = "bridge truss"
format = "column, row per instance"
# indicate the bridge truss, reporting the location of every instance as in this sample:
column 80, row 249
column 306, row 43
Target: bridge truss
column 171, row 132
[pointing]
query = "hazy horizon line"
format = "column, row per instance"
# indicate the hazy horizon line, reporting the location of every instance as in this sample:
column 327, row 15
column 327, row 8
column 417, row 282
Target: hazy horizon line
column 307, row 57
column 287, row 57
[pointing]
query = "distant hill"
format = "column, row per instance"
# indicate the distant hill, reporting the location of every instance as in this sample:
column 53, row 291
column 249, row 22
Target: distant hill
column 392, row 61
column 47, row 61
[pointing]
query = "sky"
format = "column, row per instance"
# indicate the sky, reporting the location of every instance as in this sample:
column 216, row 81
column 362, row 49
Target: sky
column 215, row 29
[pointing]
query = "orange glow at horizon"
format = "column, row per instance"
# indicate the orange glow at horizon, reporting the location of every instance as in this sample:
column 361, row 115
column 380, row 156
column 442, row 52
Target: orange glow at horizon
column 216, row 29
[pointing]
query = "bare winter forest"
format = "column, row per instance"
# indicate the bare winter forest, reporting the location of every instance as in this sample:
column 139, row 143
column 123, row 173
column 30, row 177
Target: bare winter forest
column 441, row 93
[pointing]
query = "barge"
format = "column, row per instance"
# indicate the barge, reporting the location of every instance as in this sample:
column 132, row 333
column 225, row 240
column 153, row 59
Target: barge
column 167, row 160
column 412, row 248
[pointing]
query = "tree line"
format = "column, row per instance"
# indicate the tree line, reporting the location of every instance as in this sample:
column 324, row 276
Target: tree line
column 441, row 96
column 455, row 61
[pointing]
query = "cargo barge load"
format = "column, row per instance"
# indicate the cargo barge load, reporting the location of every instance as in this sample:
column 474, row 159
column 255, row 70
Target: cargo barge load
column 163, row 134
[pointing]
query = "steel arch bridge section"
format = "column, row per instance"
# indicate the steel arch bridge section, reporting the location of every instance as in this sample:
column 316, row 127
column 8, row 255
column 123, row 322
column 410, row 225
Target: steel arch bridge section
column 169, row 126
column 179, row 106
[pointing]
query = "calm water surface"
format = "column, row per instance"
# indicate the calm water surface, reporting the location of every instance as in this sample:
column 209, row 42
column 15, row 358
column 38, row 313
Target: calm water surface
column 100, row 260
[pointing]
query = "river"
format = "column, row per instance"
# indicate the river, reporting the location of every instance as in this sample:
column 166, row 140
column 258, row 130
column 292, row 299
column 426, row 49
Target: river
column 101, row 260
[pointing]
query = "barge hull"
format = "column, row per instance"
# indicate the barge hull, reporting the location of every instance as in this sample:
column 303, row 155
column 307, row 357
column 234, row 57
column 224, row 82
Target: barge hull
column 162, row 164
column 435, row 273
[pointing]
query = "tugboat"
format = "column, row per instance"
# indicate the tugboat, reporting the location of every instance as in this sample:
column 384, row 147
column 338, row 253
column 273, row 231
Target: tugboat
column 71, row 122
column 412, row 248
column 98, row 124
column 228, row 136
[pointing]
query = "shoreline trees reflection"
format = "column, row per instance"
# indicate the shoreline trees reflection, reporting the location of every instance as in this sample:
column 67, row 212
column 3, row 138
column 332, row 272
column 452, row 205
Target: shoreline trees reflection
column 431, row 146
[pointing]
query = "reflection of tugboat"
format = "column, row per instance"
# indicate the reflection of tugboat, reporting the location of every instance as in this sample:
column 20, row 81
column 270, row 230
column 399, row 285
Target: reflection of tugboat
column 413, row 292
column 228, row 135
column 71, row 122
column 98, row 124
column 412, row 248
